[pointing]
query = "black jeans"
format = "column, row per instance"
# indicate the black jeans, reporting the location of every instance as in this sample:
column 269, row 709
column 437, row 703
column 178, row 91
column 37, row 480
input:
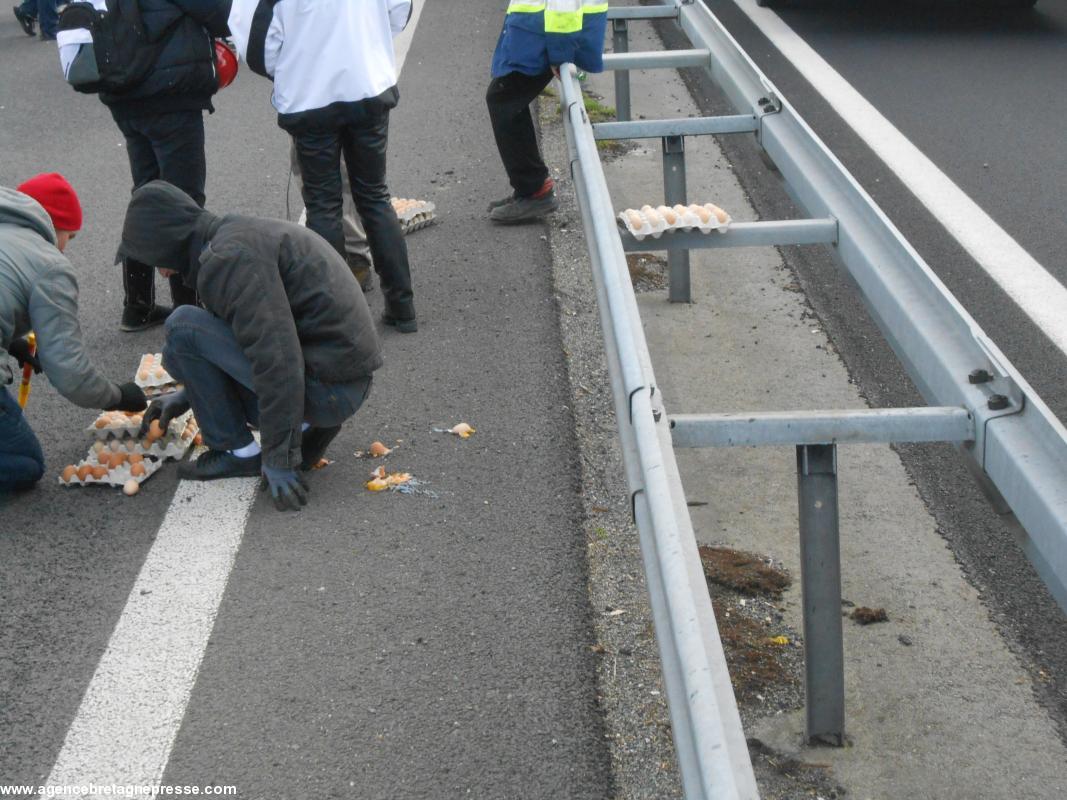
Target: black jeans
column 509, row 101
column 202, row 352
column 167, row 147
column 362, row 134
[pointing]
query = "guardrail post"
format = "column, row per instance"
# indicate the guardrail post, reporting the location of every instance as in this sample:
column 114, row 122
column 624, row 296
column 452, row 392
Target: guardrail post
column 820, row 567
column 674, row 191
column 620, row 43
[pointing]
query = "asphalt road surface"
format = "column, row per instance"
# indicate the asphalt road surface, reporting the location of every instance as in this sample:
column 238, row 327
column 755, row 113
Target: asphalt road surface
column 374, row 645
column 975, row 91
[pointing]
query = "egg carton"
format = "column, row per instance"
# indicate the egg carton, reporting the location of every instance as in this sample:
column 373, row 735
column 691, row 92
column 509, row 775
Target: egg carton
column 152, row 376
column 413, row 214
column 126, row 425
column 181, row 434
column 97, row 474
column 654, row 222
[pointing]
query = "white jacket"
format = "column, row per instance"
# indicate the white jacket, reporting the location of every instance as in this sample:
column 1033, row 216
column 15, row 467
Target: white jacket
column 320, row 52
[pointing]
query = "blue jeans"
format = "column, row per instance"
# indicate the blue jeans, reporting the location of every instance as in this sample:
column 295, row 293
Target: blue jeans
column 44, row 11
column 201, row 352
column 21, row 459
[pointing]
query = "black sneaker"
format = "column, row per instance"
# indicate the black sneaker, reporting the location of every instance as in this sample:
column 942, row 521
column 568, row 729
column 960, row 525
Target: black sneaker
column 524, row 209
column 213, row 465
column 141, row 318
column 313, row 444
column 503, row 201
column 405, row 323
column 26, row 21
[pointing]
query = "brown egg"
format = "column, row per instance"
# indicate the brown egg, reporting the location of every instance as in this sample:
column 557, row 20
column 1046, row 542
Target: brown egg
column 84, row 471
column 98, row 446
column 99, row 472
column 130, row 488
column 68, row 473
column 118, row 459
column 142, row 375
column 198, row 440
column 154, row 430
column 137, row 469
column 101, row 423
column 136, row 458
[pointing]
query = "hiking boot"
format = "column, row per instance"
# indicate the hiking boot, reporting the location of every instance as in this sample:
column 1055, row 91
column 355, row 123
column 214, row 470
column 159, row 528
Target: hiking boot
column 403, row 323
column 213, row 465
column 141, row 318
column 363, row 274
column 313, row 444
column 26, row 21
column 525, row 209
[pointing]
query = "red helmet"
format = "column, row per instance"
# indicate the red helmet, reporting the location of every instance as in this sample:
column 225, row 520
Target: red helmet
column 225, row 62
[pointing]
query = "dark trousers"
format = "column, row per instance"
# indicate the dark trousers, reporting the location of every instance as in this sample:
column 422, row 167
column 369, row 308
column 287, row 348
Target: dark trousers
column 45, row 12
column 509, row 101
column 202, row 353
column 167, row 147
column 21, row 459
column 362, row 136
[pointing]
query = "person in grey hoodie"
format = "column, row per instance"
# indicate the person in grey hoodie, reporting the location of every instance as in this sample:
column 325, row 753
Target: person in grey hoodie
column 39, row 293
column 285, row 341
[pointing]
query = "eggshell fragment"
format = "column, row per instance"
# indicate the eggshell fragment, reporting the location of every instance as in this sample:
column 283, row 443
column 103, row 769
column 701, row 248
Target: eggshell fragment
column 378, row 449
column 377, row 484
column 463, row 430
column 130, row 488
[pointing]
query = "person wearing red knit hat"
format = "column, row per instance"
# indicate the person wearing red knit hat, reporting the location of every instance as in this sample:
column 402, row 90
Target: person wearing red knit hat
column 58, row 198
column 40, row 294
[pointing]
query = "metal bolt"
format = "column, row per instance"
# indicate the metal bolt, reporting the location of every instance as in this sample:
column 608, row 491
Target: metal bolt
column 763, row 101
column 979, row 376
column 998, row 402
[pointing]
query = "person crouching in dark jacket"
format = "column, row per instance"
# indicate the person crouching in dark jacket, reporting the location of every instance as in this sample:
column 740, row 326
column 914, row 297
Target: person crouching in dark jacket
column 163, row 121
column 286, row 343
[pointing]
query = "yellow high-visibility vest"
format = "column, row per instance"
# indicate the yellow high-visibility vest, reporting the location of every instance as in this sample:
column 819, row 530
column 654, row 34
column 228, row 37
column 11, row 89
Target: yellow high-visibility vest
column 561, row 16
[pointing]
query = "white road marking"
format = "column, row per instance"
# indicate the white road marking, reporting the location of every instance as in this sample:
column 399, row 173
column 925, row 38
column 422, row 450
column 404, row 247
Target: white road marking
column 129, row 717
column 1022, row 278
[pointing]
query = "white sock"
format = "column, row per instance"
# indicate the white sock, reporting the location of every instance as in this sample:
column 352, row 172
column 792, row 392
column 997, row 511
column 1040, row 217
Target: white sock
column 249, row 450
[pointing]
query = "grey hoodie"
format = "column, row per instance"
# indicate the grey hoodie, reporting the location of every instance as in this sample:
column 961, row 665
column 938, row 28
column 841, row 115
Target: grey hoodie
column 38, row 292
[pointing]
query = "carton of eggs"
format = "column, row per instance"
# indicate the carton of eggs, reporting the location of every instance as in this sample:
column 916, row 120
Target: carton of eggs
column 413, row 214
column 108, row 469
column 654, row 222
column 153, row 378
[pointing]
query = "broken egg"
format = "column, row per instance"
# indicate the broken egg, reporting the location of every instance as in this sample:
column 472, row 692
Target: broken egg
column 378, row 449
column 462, row 430
column 377, row 484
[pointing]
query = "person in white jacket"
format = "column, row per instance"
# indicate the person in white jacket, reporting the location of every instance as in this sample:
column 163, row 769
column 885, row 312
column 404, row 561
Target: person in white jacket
column 334, row 73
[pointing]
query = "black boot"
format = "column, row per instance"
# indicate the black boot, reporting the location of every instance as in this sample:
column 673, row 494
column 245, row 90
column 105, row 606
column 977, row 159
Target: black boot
column 401, row 317
column 313, row 445
column 139, row 309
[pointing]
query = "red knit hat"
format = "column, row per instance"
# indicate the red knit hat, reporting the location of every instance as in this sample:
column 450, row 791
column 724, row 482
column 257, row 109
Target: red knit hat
column 57, row 196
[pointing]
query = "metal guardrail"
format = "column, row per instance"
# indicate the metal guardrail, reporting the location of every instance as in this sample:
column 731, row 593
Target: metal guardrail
column 1016, row 446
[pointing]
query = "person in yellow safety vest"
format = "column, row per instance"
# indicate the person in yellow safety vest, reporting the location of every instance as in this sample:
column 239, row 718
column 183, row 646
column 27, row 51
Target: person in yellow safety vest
column 537, row 38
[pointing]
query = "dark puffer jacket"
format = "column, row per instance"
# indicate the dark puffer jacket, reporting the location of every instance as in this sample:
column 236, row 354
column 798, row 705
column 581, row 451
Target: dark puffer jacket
column 288, row 297
column 184, row 77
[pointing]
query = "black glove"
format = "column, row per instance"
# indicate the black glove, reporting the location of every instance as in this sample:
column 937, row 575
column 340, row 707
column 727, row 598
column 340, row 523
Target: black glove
column 20, row 349
column 287, row 487
column 130, row 399
column 164, row 408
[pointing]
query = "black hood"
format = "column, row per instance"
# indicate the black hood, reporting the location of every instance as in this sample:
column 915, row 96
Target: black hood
column 162, row 226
